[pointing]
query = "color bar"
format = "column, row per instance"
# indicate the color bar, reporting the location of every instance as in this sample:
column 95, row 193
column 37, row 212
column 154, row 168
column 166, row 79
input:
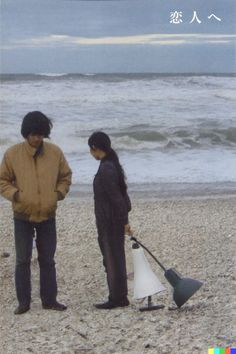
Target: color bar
column 221, row 350
column 211, row 351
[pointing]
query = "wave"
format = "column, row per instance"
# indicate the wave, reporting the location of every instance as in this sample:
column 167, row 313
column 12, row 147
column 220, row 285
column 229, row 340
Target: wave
column 207, row 80
column 51, row 74
column 148, row 140
column 176, row 139
column 5, row 141
column 63, row 75
column 198, row 136
column 89, row 74
column 226, row 96
column 143, row 135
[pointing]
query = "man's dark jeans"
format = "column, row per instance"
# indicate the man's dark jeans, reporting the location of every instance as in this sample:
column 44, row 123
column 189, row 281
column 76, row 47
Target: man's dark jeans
column 46, row 246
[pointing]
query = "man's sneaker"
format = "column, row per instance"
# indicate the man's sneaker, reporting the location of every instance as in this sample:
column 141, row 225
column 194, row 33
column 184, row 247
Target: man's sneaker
column 21, row 309
column 55, row 306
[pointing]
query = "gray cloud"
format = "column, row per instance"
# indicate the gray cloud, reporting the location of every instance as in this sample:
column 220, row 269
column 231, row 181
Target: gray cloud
column 116, row 35
column 151, row 39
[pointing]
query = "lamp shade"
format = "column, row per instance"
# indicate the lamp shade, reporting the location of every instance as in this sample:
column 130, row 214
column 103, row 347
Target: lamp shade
column 183, row 288
column 146, row 282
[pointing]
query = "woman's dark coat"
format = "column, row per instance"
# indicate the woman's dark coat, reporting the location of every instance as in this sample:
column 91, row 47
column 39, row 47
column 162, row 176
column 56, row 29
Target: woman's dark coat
column 111, row 211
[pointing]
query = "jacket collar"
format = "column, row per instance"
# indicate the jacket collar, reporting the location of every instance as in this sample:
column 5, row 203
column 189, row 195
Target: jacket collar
column 31, row 150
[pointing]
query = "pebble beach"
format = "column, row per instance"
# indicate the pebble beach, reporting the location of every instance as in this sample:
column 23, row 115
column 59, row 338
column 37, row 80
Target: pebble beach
column 197, row 236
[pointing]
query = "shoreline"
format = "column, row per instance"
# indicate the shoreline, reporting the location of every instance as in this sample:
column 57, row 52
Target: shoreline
column 161, row 191
column 166, row 191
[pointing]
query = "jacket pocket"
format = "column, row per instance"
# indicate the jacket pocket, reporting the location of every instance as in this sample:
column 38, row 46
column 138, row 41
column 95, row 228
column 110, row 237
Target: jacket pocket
column 20, row 205
column 49, row 202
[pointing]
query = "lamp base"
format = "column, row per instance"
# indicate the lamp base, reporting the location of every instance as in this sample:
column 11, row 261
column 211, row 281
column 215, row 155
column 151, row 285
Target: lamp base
column 150, row 306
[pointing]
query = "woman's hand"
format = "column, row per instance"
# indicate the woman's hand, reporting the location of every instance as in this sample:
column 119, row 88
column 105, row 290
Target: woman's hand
column 128, row 230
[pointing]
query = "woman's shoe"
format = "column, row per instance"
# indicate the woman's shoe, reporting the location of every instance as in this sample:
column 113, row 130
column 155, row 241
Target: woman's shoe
column 54, row 306
column 111, row 305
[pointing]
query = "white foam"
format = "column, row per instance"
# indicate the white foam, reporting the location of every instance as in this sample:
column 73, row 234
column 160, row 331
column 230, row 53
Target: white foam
column 122, row 107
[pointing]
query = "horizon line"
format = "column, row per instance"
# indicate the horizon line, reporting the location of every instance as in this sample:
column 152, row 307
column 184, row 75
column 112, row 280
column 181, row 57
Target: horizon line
column 117, row 73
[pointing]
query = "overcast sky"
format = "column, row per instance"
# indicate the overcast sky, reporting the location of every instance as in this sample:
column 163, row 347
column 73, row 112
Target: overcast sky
column 74, row 36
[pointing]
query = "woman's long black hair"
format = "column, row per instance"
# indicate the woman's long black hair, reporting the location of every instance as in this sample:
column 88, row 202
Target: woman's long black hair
column 102, row 141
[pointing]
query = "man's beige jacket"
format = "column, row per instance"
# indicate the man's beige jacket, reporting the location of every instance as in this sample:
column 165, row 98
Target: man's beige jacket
column 33, row 183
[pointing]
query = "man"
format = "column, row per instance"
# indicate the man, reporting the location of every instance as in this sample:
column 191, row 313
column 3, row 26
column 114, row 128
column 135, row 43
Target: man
column 34, row 175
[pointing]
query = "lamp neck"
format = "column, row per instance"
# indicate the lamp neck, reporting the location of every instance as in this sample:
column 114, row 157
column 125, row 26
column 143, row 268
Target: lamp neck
column 146, row 249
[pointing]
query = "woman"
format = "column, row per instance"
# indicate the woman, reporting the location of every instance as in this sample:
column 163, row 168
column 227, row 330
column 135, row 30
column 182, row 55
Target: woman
column 112, row 205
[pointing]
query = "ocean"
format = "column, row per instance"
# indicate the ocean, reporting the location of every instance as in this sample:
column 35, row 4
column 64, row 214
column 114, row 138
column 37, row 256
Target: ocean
column 169, row 130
